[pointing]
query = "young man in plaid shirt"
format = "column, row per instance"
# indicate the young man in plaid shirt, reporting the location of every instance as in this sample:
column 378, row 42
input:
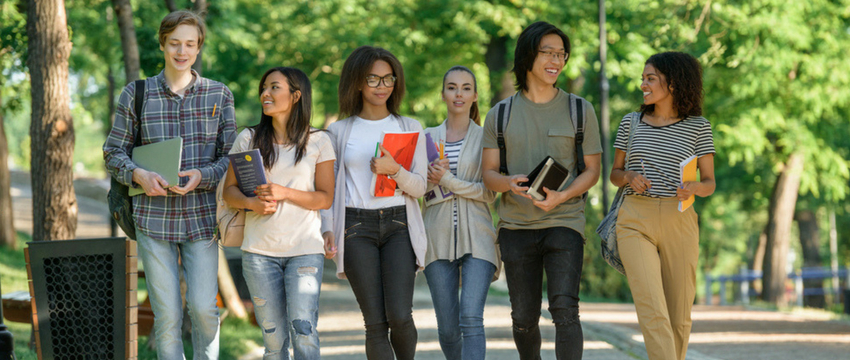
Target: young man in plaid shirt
column 175, row 222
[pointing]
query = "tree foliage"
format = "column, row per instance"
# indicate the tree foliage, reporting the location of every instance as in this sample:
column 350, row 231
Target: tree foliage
column 777, row 80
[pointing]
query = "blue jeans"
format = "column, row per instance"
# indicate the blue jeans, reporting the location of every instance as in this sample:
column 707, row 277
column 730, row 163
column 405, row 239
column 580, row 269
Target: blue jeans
column 200, row 268
column 526, row 253
column 460, row 328
column 285, row 292
column 380, row 266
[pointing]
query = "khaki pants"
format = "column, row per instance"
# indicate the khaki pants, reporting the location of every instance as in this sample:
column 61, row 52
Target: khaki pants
column 659, row 247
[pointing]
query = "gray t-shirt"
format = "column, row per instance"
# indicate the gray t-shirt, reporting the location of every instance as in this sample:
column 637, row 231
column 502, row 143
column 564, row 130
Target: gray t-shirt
column 535, row 131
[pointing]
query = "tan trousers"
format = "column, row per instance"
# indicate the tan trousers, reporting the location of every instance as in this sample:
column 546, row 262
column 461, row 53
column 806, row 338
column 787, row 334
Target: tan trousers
column 659, row 247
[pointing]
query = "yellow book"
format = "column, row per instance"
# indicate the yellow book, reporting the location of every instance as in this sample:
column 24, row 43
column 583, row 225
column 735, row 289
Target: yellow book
column 687, row 172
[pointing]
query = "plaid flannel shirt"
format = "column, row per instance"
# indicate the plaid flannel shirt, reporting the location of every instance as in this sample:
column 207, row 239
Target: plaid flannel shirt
column 204, row 118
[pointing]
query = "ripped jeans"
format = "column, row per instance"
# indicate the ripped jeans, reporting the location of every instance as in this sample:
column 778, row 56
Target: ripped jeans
column 285, row 292
column 526, row 253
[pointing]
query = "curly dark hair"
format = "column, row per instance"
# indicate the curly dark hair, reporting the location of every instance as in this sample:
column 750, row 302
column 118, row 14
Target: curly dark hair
column 684, row 81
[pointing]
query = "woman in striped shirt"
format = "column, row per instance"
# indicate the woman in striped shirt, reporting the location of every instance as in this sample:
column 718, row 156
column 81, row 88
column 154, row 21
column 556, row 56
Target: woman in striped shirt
column 659, row 245
column 461, row 238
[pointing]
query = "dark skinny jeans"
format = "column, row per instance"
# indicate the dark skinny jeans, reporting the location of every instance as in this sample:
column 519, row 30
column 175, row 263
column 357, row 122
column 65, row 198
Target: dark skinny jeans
column 526, row 253
column 381, row 266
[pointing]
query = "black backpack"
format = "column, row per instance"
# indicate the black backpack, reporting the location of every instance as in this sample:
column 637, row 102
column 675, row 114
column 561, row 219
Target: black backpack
column 118, row 198
column 576, row 114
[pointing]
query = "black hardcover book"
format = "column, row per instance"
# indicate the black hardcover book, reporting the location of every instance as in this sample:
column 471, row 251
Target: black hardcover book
column 550, row 174
column 249, row 171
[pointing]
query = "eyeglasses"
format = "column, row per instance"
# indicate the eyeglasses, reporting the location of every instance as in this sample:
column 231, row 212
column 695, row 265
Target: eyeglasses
column 375, row 80
column 549, row 55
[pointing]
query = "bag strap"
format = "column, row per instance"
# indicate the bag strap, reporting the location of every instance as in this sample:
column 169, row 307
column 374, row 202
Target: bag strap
column 635, row 120
column 503, row 117
column 139, row 103
column 577, row 117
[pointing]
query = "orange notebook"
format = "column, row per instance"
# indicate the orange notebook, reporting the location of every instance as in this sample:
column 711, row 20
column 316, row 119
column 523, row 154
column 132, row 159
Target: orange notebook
column 687, row 172
column 402, row 146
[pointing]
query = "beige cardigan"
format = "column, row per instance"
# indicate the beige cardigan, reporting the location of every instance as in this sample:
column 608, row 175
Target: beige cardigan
column 475, row 232
column 411, row 182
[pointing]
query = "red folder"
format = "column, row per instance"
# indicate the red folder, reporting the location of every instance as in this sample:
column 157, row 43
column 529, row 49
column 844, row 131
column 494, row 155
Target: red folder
column 402, row 146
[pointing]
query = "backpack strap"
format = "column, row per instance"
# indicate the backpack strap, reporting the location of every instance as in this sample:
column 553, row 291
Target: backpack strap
column 139, row 102
column 503, row 117
column 577, row 117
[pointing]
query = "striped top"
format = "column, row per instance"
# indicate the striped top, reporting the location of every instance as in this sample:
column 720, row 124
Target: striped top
column 452, row 150
column 662, row 148
column 204, row 118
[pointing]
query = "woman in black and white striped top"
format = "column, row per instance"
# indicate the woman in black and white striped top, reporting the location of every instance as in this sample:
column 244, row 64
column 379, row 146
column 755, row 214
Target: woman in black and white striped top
column 658, row 244
column 462, row 250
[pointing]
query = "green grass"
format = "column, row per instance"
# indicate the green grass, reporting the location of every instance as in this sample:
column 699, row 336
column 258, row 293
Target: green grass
column 13, row 267
column 237, row 336
column 13, row 277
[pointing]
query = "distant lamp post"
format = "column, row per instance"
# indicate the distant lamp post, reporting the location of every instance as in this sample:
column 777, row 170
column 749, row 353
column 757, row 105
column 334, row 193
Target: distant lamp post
column 603, row 110
column 7, row 341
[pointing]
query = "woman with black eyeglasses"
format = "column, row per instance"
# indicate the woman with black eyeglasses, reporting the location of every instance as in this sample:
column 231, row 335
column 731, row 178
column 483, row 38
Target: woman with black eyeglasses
column 378, row 243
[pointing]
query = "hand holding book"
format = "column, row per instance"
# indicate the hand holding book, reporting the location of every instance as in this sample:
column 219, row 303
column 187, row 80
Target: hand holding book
column 271, row 192
column 397, row 151
column 688, row 181
column 261, row 207
column 384, row 164
column 436, row 171
column 194, row 176
column 436, row 156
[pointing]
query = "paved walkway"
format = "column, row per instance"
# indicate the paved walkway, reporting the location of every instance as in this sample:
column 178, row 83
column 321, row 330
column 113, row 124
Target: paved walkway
column 611, row 330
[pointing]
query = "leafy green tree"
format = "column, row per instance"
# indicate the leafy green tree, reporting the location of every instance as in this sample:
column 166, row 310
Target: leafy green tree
column 11, row 50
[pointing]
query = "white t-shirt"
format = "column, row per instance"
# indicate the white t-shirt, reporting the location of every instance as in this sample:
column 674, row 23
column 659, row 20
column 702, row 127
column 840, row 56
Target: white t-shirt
column 359, row 151
column 291, row 230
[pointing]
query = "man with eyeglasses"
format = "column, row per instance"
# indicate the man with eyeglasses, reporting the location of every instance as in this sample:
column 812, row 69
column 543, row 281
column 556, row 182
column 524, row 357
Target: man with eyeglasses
column 549, row 234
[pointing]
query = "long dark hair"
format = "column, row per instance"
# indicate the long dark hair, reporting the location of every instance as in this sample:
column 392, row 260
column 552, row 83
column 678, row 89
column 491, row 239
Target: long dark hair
column 298, row 125
column 473, row 111
column 684, row 81
column 353, row 78
column 527, row 47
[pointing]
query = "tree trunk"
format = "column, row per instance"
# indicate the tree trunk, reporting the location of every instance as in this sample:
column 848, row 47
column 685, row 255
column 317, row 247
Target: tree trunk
column 52, row 128
column 129, row 46
column 807, row 222
column 170, row 5
column 110, row 101
column 227, row 288
column 7, row 223
column 200, row 9
column 757, row 263
column 330, row 118
column 501, row 81
column 778, row 230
